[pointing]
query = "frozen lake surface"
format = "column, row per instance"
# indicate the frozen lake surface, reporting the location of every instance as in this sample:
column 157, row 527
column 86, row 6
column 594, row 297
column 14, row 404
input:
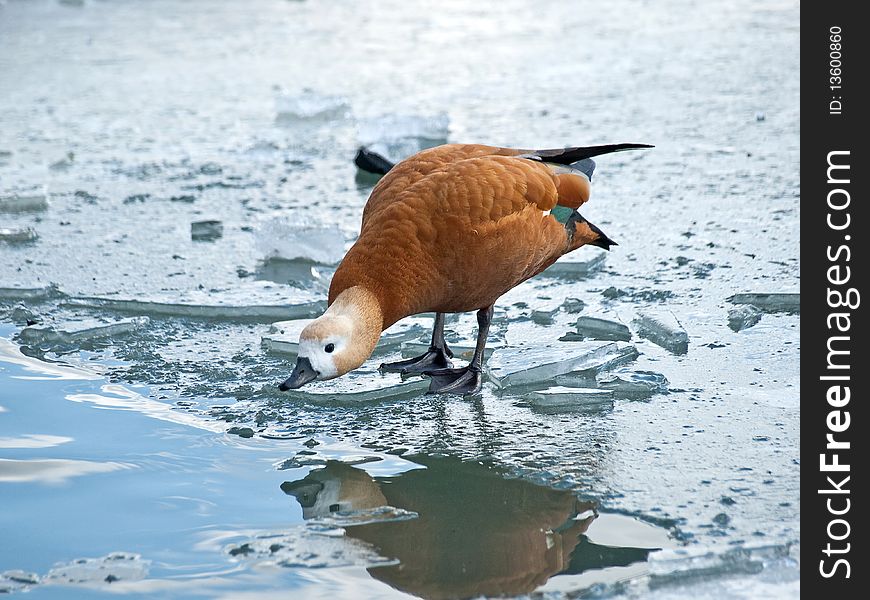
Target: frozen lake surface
column 177, row 178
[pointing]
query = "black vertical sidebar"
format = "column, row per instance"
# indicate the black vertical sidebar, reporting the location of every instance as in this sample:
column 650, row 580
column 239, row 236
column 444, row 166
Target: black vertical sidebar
column 835, row 423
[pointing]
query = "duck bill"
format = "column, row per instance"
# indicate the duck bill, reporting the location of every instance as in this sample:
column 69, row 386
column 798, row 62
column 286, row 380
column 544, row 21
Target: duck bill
column 302, row 373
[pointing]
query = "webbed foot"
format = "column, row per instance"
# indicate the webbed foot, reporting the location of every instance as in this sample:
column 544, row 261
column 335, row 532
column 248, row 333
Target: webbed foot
column 466, row 380
column 432, row 359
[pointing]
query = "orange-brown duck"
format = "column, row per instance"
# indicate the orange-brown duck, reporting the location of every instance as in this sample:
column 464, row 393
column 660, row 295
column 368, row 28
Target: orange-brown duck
column 449, row 229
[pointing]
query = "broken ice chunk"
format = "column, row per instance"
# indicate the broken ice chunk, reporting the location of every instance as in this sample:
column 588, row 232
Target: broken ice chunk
column 577, row 265
column 575, row 397
column 573, row 305
column 283, row 336
column 633, row 384
column 365, row 384
column 301, row 239
column 662, row 329
column 41, row 293
column 533, row 365
column 396, row 137
column 309, row 106
column 17, row 236
column 602, row 329
column 79, row 331
column 206, row 231
column 743, row 317
column 544, row 317
column 770, row 303
column 214, row 310
column 29, row 201
column 117, row 566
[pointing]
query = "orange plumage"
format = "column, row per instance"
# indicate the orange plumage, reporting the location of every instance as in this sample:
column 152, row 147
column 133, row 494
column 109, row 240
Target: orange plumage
column 452, row 228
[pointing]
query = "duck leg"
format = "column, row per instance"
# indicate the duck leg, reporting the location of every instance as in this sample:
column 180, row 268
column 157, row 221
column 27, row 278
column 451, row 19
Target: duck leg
column 467, row 380
column 437, row 357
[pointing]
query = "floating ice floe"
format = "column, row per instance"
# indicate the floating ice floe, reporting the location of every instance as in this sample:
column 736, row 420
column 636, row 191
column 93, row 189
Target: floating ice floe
column 310, row 106
column 24, row 201
column 206, row 231
column 662, row 329
column 300, row 239
column 18, row 236
column 577, row 265
column 632, row 384
column 563, row 396
column 118, row 566
column 283, row 336
column 307, row 546
column 770, row 303
column 603, row 329
column 533, row 365
column 743, row 317
column 79, row 331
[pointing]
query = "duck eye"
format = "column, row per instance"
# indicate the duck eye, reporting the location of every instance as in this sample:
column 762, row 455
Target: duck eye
column 329, row 347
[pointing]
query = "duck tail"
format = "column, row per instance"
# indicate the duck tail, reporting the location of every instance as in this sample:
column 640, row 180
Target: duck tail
column 568, row 156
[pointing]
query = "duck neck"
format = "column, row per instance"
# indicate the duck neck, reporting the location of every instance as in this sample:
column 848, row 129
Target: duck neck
column 361, row 306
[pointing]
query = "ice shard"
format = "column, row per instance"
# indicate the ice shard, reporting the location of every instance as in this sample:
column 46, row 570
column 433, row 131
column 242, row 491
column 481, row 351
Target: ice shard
column 743, row 317
column 24, row 201
column 539, row 364
column 577, row 265
column 79, row 331
column 770, row 303
column 663, row 329
column 632, row 384
column 602, row 329
column 561, row 396
column 22, row 235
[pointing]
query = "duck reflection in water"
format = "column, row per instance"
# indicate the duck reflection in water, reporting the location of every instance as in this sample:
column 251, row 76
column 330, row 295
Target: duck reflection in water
column 477, row 533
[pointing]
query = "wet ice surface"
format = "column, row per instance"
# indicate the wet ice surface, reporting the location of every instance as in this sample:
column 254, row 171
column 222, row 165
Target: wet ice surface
column 114, row 141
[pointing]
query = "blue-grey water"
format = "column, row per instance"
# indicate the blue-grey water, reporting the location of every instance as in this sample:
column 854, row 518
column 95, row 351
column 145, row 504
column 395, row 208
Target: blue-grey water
column 144, row 447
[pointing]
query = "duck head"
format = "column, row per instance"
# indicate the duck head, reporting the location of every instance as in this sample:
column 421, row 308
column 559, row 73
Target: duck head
column 338, row 341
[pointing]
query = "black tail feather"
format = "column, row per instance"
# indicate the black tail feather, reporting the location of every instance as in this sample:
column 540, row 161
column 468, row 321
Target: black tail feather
column 372, row 162
column 566, row 156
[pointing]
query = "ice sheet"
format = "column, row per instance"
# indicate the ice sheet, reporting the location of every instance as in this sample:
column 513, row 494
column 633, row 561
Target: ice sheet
column 540, row 364
column 662, row 328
